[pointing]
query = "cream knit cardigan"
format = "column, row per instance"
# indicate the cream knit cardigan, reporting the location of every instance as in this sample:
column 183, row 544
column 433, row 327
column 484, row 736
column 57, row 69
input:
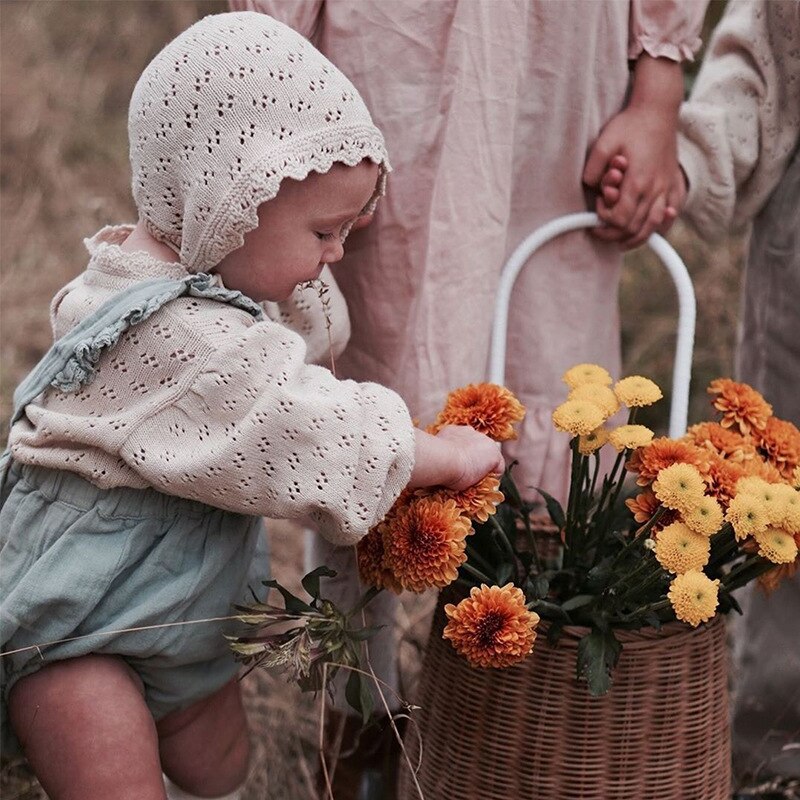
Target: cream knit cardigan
column 204, row 402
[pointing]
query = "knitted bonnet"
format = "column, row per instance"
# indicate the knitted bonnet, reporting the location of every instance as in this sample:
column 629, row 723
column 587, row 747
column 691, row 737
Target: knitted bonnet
column 221, row 115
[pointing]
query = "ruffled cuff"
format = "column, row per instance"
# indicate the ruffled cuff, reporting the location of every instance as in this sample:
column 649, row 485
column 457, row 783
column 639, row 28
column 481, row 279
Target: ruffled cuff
column 684, row 51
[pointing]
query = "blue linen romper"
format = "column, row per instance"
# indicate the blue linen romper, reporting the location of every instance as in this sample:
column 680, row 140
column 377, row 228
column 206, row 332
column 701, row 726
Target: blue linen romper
column 76, row 559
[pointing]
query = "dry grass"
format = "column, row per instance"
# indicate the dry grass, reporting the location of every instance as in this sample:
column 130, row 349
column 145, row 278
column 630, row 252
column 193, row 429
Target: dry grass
column 68, row 68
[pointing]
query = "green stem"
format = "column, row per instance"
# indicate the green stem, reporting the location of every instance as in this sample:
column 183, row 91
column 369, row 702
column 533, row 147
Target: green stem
column 531, row 537
column 476, row 573
column 474, row 555
column 503, row 536
column 733, row 580
column 365, row 598
column 636, row 570
column 657, row 606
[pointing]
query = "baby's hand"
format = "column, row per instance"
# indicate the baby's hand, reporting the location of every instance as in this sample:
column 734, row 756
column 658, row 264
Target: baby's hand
column 457, row 458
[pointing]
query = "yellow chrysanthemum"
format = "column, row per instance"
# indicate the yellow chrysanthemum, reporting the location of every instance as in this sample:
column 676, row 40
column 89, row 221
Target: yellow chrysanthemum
column 629, row 437
column 679, row 549
column 679, row 487
column 636, row 391
column 796, row 478
column 694, row 597
column 750, row 484
column 590, row 442
column 663, row 452
column 706, row 517
column 771, row 496
column 424, row 543
column 578, row 417
column 791, row 514
column 586, row 373
column 486, row 407
column 748, row 515
column 596, row 393
column 492, row 627
column 777, row 545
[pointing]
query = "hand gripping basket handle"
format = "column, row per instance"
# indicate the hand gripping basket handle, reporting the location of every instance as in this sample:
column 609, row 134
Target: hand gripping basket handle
column 681, row 374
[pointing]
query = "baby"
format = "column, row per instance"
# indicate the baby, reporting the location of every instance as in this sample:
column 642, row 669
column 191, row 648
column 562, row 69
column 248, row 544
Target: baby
column 178, row 406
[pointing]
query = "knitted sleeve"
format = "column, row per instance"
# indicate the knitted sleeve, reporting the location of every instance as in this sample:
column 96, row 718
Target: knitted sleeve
column 261, row 432
column 319, row 314
column 665, row 28
column 742, row 121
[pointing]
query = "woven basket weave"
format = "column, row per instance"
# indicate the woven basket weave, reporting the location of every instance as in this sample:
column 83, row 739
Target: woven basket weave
column 532, row 732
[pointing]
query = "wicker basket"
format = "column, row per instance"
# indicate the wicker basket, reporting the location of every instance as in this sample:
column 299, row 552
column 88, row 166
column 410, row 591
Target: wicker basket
column 533, row 732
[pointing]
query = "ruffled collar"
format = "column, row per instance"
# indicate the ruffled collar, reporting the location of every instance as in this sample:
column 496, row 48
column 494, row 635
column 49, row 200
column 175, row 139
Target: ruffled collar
column 108, row 258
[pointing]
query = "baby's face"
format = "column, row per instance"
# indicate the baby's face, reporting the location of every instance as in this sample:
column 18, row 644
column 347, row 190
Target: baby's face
column 299, row 231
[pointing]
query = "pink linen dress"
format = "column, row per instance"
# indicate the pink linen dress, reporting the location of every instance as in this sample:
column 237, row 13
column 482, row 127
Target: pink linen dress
column 489, row 109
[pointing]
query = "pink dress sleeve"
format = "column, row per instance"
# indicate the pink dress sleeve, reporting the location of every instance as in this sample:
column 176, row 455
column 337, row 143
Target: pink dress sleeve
column 302, row 16
column 666, row 28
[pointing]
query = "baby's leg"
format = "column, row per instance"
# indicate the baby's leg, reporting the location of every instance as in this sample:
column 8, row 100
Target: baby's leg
column 87, row 732
column 205, row 747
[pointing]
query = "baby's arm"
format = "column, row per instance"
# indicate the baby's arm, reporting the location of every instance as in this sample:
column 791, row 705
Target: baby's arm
column 645, row 134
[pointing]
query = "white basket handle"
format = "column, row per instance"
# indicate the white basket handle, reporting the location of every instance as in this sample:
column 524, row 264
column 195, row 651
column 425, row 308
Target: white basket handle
column 687, row 309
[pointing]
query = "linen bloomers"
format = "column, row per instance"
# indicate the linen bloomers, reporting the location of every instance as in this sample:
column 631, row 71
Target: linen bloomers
column 77, row 560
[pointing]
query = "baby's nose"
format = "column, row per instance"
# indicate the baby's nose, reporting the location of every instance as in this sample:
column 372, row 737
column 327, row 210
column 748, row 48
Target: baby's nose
column 334, row 252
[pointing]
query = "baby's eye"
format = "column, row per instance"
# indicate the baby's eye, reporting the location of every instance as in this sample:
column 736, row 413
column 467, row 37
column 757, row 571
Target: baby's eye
column 325, row 237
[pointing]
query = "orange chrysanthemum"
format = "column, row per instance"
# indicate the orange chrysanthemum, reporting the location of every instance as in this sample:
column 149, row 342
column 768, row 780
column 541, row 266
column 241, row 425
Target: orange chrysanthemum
column 770, row 581
column 740, row 404
column 644, row 505
column 487, row 407
column 780, row 440
column 492, row 627
column 722, row 441
column 759, row 468
column 372, row 567
column 478, row 502
column 661, row 453
column 721, row 475
column 424, row 543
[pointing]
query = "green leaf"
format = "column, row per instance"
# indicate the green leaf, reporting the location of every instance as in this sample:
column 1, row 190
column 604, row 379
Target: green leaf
column 311, row 581
column 578, row 601
column 550, row 611
column 541, row 586
column 504, row 574
column 651, row 618
column 358, row 695
column 554, row 633
column 598, row 653
column 554, row 508
column 509, row 488
column 598, row 575
column 292, row 603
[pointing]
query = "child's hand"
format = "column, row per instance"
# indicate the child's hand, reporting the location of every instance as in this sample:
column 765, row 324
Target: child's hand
column 644, row 134
column 457, row 458
column 610, row 185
